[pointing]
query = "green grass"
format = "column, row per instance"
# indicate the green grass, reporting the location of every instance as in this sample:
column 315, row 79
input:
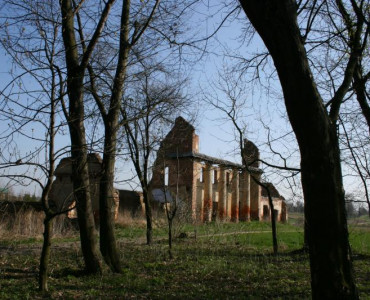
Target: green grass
column 214, row 261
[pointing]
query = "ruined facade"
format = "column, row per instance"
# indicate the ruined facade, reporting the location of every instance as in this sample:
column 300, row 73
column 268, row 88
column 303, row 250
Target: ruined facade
column 62, row 189
column 208, row 188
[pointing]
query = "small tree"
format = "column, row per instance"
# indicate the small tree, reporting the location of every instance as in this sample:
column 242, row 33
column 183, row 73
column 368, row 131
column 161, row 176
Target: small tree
column 151, row 105
column 171, row 206
column 35, row 116
column 231, row 99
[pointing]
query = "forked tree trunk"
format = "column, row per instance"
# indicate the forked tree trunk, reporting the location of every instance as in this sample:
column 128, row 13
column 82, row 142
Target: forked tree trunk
column 80, row 172
column 330, row 259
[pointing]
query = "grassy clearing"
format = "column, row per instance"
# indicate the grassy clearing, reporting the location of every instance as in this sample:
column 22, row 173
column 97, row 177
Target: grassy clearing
column 219, row 261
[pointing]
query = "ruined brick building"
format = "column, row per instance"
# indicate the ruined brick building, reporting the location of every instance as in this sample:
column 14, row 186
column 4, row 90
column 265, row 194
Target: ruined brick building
column 207, row 188
column 210, row 188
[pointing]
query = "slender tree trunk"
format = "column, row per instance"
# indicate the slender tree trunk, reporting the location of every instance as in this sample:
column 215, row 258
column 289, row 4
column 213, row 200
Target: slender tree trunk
column 330, row 257
column 49, row 214
column 170, row 237
column 149, row 218
column 273, row 223
column 45, row 254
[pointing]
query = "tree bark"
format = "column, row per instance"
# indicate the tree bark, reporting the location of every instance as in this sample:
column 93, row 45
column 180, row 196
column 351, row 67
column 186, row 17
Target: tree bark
column 330, row 257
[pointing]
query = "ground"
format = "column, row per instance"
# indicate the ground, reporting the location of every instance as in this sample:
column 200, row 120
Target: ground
column 214, row 261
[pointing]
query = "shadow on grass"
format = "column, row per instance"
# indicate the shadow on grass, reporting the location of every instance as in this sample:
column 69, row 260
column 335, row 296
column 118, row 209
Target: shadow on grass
column 14, row 273
column 360, row 256
column 68, row 272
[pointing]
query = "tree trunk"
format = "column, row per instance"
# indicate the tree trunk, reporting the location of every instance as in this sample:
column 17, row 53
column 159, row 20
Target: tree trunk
column 85, row 216
column 81, row 184
column 170, row 221
column 149, row 218
column 45, row 254
column 330, row 260
column 273, row 223
column 108, row 245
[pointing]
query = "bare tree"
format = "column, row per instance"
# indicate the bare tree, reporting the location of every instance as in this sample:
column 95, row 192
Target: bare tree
column 230, row 98
column 35, row 115
column 152, row 105
column 171, row 205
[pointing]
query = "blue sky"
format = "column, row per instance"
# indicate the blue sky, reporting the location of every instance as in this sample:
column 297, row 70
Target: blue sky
column 217, row 136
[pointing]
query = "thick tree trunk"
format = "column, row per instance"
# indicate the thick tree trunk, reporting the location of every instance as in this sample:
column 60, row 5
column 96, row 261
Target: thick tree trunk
column 81, row 187
column 330, row 261
column 81, row 183
column 108, row 245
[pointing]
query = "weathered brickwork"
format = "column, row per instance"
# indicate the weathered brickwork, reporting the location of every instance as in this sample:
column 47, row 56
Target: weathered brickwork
column 209, row 188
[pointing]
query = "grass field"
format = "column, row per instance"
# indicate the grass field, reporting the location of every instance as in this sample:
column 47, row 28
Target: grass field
column 214, row 261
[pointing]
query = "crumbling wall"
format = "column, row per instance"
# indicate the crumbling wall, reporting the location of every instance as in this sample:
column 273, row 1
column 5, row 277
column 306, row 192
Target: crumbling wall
column 280, row 212
column 131, row 202
column 61, row 194
column 170, row 174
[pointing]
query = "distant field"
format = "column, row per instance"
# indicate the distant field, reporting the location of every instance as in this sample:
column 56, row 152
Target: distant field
column 214, row 261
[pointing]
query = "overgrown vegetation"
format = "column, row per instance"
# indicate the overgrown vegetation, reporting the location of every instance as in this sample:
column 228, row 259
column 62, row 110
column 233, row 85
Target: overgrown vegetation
column 217, row 260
